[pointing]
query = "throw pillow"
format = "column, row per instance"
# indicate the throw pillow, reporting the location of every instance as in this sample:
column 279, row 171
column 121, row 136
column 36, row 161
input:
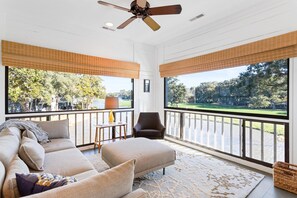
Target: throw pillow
column 29, row 134
column 33, row 183
column 32, row 153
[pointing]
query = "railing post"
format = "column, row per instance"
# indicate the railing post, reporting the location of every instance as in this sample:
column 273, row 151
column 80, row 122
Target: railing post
column 243, row 139
column 287, row 148
column 181, row 126
column 165, row 121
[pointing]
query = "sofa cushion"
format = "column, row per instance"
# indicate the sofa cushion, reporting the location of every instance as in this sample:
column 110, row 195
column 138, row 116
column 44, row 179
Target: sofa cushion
column 11, row 131
column 113, row 183
column 9, row 146
column 10, row 186
column 55, row 129
column 67, row 162
column 32, row 153
column 85, row 175
column 57, row 145
column 33, row 183
column 29, row 134
column 2, row 176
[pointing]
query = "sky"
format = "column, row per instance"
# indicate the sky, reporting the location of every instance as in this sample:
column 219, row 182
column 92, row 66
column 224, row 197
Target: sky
column 193, row 80
column 115, row 84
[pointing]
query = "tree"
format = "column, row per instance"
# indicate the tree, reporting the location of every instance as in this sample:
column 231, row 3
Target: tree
column 36, row 90
column 28, row 87
column 64, row 87
column 89, row 88
column 176, row 91
column 125, row 94
column 266, row 80
column 259, row 102
column 262, row 85
column 205, row 92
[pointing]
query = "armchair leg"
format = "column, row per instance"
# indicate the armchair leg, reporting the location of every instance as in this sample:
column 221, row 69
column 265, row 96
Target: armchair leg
column 163, row 171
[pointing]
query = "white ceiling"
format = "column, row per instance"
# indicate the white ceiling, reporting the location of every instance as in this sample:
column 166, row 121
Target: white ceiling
column 86, row 17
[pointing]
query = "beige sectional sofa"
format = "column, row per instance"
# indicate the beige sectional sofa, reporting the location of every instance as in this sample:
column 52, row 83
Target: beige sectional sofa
column 63, row 158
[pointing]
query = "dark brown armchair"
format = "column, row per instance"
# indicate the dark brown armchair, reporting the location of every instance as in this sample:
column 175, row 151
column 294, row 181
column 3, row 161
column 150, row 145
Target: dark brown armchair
column 149, row 126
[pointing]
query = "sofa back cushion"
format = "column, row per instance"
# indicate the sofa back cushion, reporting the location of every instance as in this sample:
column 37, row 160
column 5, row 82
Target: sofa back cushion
column 2, row 176
column 9, row 146
column 10, row 188
column 55, row 129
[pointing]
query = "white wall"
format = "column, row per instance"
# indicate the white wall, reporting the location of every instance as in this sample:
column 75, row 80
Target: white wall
column 97, row 45
column 2, row 73
column 145, row 102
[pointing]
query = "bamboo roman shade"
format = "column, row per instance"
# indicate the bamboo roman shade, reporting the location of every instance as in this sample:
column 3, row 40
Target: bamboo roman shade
column 28, row 56
column 278, row 47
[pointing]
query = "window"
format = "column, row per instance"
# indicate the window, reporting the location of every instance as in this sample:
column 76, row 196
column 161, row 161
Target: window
column 30, row 90
column 260, row 89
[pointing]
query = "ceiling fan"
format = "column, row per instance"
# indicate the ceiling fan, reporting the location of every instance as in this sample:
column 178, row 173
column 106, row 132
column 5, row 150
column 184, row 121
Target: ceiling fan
column 142, row 9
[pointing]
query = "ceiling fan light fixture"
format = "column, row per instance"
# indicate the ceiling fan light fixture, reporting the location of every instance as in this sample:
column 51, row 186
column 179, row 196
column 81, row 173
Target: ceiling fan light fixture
column 109, row 24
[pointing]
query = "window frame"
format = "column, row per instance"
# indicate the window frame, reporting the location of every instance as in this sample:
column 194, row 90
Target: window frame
column 237, row 113
column 67, row 111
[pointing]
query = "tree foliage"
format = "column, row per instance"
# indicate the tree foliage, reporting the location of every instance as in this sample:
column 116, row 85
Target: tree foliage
column 176, row 91
column 35, row 90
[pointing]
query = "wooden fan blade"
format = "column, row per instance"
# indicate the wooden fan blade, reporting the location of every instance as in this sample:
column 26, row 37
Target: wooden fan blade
column 113, row 6
column 173, row 9
column 123, row 25
column 151, row 23
column 141, row 3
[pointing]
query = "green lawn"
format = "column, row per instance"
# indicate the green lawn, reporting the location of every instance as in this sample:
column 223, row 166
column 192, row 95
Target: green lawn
column 232, row 109
column 125, row 104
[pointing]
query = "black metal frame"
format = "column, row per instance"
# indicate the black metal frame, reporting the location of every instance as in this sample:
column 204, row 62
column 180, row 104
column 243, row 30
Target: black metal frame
column 67, row 111
column 237, row 113
column 242, row 155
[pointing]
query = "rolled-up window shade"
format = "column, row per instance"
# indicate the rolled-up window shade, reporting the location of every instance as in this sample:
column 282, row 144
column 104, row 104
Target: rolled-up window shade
column 278, row 47
column 28, row 56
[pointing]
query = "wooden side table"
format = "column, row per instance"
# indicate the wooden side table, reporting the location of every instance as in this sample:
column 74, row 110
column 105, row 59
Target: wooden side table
column 99, row 135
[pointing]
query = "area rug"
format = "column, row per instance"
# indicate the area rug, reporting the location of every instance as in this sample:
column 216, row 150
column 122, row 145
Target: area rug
column 195, row 174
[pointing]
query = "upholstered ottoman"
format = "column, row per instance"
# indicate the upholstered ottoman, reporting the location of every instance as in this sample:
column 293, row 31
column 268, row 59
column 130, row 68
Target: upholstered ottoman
column 150, row 155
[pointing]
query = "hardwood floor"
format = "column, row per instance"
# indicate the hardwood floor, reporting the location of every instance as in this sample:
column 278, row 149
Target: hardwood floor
column 265, row 189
